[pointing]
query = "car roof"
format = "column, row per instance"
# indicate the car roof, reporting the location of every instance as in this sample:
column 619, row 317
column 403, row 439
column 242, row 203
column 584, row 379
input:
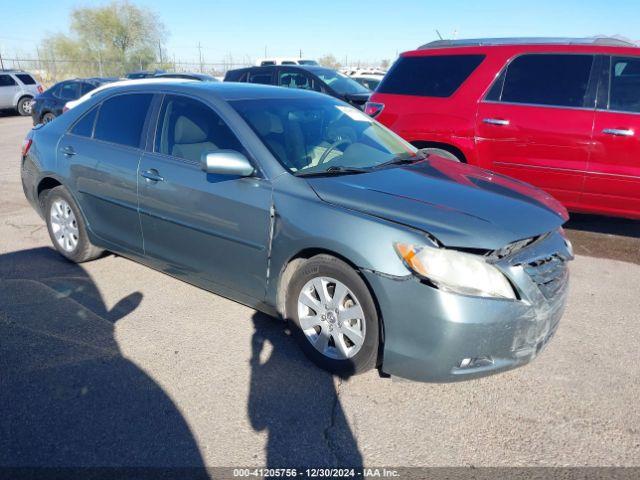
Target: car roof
column 537, row 44
column 222, row 90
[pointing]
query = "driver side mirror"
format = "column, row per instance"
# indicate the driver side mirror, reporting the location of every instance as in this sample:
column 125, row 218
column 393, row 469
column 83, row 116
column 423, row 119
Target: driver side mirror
column 226, row 162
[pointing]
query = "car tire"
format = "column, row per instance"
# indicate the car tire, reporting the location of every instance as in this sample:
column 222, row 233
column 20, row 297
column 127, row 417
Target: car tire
column 47, row 117
column 350, row 324
column 24, row 106
column 66, row 226
column 442, row 153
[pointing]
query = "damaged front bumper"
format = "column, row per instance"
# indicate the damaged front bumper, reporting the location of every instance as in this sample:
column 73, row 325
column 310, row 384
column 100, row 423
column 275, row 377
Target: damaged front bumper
column 437, row 336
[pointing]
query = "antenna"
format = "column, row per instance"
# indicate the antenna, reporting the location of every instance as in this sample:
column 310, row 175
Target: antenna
column 439, row 36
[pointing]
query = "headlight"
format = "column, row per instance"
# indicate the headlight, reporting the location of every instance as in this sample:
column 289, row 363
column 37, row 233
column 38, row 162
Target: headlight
column 456, row 271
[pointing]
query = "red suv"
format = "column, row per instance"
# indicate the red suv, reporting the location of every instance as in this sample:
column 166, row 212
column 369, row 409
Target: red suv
column 561, row 114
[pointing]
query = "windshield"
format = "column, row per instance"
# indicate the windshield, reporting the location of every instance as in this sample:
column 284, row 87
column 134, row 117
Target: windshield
column 340, row 82
column 319, row 134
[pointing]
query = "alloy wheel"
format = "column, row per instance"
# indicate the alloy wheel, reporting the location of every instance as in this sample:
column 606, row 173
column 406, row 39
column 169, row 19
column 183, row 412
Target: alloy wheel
column 64, row 225
column 331, row 318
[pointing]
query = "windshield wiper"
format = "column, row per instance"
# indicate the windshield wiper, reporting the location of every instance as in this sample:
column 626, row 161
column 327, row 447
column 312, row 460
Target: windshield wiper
column 403, row 160
column 333, row 170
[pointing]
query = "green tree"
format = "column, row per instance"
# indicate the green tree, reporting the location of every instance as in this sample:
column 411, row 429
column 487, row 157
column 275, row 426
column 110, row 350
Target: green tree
column 108, row 40
column 329, row 61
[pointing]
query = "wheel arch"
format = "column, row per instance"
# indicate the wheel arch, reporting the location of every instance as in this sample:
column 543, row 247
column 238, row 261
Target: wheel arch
column 45, row 184
column 444, row 146
column 297, row 259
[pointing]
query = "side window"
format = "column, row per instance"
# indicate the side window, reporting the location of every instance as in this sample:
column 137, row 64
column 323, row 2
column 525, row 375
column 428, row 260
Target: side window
column 260, row 77
column 121, row 119
column 84, row 127
column 187, row 128
column 294, row 79
column 26, row 79
column 67, row 91
column 429, row 76
column 7, row 81
column 547, row 79
column 624, row 90
column 86, row 88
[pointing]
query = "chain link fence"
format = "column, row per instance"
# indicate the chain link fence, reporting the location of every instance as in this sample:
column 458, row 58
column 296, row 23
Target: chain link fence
column 50, row 71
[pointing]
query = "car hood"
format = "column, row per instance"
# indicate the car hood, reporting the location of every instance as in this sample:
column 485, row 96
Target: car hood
column 461, row 205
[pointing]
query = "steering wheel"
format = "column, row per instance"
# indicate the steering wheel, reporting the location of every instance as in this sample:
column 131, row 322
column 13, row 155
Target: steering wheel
column 337, row 143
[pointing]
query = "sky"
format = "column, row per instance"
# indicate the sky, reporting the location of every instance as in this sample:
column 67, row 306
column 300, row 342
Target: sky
column 368, row 31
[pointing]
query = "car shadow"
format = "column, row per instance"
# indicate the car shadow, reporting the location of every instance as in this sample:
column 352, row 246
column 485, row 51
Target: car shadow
column 68, row 397
column 296, row 403
column 605, row 237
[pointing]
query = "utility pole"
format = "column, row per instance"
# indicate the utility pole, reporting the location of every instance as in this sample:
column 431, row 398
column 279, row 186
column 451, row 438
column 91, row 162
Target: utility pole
column 300, row 53
column 265, row 51
column 1, row 62
column 200, row 55
column 160, row 53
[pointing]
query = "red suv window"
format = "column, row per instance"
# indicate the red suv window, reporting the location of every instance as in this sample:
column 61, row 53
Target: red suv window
column 430, row 76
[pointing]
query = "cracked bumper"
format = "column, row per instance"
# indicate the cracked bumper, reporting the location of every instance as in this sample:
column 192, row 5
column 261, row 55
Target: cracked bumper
column 429, row 332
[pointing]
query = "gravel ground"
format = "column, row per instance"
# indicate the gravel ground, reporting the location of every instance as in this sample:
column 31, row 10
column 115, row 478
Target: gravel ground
column 112, row 363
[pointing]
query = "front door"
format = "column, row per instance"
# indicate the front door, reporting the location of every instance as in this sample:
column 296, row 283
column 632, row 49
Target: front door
column 536, row 122
column 102, row 152
column 8, row 91
column 211, row 230
column 612, row 184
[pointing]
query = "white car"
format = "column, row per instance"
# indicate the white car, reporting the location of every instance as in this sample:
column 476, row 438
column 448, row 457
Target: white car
column 17, row 90
column 74, row 103
column 264, row 62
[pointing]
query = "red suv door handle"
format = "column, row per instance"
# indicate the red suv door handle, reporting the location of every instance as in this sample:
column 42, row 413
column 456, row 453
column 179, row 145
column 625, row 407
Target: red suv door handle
column 619, row 132
column 496, row 121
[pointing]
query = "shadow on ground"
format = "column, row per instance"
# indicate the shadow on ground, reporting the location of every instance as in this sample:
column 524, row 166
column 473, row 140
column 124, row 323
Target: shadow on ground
column 605, row 237
column 67, row 395
column 296, row 403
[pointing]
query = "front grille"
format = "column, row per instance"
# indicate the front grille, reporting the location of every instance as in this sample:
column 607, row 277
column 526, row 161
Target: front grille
column 548, row 273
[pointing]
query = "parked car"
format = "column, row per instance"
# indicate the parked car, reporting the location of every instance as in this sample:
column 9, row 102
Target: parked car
column 50, row 103
column 17, row 90
column 267, row 62
column 143, row 74
column 297, row 204
column 202, row 77
column 370, row 82
column 560, row 114
column 320, row 79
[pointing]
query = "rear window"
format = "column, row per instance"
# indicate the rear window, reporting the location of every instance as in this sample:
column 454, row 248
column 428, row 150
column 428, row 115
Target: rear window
column 431, row 76
column 26, row 79
column 263, row 78
column 121, row 119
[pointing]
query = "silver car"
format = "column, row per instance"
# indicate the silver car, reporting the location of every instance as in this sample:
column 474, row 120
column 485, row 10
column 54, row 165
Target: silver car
column 17, row 90
column 299, row 205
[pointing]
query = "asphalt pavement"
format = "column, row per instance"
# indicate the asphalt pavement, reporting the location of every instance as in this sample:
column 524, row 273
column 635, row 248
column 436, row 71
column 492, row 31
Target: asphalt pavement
column 112, row 363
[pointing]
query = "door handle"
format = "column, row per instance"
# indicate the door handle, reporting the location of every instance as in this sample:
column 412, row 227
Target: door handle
column 68, row 151
column 619, row 132
column 152, row 176
column 496, row 121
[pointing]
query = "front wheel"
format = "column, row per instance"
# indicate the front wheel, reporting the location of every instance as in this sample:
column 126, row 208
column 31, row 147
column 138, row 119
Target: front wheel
column 334, row 316
column 66, row 226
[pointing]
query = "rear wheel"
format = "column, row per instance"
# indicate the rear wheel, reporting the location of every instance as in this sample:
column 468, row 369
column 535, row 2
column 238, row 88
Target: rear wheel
column 334, row 316
column 66, row 226
column 47, row 117
column 24, row 106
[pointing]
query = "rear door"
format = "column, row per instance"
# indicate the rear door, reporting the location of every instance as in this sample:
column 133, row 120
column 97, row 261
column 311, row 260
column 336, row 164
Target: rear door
column 612, row 183
column 536, row 122
column 211, row 230
column 102, row 155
